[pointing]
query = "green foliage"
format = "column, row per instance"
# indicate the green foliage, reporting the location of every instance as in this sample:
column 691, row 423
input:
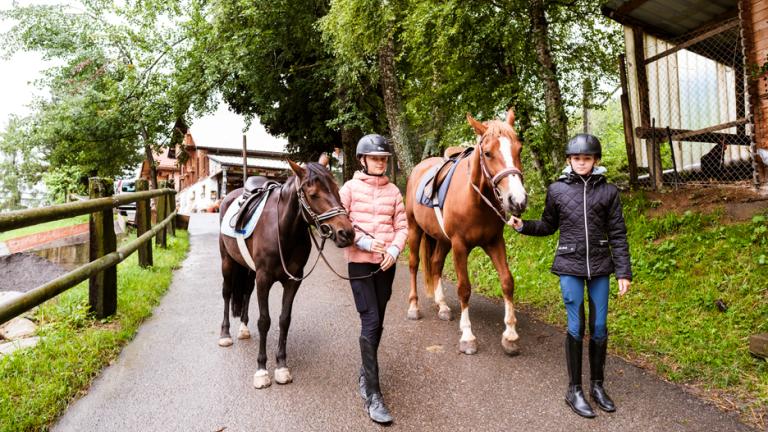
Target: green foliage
column 683, row 264
column 38, row 383
column 19, row 163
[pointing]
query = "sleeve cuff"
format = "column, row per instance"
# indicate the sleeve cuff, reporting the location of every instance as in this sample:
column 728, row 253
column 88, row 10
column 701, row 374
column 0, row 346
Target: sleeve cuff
column 394, row 251
column 521, row 228
column 365, row 243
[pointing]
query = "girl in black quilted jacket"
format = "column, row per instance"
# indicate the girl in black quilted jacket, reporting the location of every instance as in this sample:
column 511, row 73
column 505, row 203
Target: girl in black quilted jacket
column 592, row 245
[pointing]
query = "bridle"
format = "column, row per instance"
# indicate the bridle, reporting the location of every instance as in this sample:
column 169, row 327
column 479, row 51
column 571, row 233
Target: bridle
column 493, row 181
column 325, row 230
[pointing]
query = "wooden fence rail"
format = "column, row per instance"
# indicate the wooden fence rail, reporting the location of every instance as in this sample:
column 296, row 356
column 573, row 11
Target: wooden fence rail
column 104, row 255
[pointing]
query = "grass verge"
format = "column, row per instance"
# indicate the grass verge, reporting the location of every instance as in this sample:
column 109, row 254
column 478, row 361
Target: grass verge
column 684, row 267
column 47, row 226
column 38, row 383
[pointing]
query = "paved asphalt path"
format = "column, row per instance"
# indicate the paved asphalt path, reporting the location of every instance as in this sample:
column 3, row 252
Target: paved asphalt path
column 174, row 376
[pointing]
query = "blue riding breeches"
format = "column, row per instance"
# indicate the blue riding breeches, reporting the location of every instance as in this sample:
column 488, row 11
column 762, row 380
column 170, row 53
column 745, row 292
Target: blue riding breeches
column 572, row 288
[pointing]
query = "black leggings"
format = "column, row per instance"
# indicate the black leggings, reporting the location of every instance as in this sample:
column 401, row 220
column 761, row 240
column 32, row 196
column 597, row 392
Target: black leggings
column 371, row 297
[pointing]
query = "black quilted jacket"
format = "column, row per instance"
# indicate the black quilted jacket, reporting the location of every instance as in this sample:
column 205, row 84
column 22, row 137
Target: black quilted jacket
column 585, row 208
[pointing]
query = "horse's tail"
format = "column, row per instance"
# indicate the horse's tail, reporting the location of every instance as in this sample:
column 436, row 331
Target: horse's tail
column 427, row 249
column 242, row 287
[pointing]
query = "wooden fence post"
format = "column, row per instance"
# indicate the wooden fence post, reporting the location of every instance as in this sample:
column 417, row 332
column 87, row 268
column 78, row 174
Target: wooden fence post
column 143, row 222
column 171, row 207
column 102, row 287
column 162, row 209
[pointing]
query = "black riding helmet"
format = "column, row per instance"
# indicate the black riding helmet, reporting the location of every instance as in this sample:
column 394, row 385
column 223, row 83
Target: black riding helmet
column 373, row 145
column 584, row 144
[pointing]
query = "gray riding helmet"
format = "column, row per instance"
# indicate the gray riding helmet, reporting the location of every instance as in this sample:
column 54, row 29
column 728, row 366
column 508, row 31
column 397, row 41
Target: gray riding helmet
column 374, row 145
column 584, row 144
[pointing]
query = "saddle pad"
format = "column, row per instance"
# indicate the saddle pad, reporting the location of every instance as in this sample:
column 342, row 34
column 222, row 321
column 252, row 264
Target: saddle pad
column 442, row 190
column 227, row 222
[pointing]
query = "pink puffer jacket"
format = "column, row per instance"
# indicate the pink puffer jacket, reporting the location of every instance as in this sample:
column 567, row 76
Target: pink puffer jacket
column 376, row 206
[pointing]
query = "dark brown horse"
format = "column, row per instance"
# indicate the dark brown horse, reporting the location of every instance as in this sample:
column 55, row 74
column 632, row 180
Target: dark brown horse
column 280, row 246
column 485, row 186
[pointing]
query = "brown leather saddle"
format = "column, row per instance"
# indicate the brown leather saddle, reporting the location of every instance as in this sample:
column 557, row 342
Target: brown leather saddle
column 434, row 186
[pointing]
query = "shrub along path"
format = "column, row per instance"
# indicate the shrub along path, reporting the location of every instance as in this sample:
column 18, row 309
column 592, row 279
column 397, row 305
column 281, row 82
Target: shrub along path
column 173, row 376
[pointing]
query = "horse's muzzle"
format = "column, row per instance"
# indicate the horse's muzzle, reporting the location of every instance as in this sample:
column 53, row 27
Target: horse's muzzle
column 516, row 207
column 344, row 237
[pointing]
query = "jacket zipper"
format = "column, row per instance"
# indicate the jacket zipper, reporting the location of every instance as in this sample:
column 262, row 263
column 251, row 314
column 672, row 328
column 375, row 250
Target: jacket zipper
column 586, row 226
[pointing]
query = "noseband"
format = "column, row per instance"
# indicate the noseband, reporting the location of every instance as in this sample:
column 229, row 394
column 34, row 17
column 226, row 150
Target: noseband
column 494, row 181
column 312, row 218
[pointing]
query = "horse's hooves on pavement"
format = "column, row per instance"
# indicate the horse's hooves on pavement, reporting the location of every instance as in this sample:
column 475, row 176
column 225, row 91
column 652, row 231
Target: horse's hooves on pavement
column 468, row 347
column 414, row 314
column 244, row 333
column 225, row 342
column 261, row 379
column 445, row 315
column 511, row 348
column 283, row 376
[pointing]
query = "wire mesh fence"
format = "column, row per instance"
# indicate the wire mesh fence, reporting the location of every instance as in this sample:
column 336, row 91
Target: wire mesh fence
column 692, row 108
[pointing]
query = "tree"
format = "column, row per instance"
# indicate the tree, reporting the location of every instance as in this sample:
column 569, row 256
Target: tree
column 19, row 164
column 114, row 92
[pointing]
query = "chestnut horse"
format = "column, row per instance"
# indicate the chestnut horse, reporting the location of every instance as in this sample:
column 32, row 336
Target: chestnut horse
column 280, row 246
column 486, row 185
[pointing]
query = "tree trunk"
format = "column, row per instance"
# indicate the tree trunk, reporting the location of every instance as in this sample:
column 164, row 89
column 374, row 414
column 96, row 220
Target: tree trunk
column 398, row 125
column 556, row 118
column 150, row 161
column 349, row 138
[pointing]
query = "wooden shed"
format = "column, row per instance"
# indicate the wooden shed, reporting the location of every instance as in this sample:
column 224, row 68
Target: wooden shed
column 694, row 105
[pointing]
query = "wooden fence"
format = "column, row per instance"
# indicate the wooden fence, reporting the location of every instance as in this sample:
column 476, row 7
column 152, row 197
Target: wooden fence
column 104, row 253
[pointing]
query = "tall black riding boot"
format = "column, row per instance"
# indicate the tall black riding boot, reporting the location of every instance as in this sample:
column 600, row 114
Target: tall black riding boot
column 575, row 396
column 374, row 402
column 597, row 353
column 361, row 379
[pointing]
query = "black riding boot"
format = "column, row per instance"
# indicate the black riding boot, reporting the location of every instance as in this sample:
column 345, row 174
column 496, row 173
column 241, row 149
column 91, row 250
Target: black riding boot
column 374, row 402
column 575, row 396
column 597, row 352
column 362, row 384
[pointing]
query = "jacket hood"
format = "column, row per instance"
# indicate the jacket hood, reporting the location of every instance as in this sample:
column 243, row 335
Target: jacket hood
column 371, row 180
column 569, row 175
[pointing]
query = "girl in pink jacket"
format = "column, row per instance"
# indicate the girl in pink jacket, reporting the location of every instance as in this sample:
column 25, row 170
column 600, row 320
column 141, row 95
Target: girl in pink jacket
column 376, row 209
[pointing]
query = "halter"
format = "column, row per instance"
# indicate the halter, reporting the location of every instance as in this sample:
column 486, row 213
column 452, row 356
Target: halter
column 325, row 230
column 493, row 181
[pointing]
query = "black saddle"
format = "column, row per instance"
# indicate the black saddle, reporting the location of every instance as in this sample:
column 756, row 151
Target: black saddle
column 439, row 177
column 255, row 190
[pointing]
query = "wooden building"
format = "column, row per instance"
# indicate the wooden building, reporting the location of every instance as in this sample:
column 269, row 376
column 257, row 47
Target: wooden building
column 691, row 87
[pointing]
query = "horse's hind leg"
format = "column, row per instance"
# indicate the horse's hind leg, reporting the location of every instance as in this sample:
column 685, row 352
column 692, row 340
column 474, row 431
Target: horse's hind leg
column 438, row 261
column 248, row 280
column 415, row 235
column 498, row 254
column 228, row 272
column 282, row 372
column 261, row 377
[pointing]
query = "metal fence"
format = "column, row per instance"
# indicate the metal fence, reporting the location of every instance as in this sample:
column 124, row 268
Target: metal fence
column 691, row 107
column 104, row 253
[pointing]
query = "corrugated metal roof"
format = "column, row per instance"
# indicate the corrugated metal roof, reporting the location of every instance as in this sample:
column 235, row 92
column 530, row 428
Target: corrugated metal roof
column 673, row 18
column 252, row 162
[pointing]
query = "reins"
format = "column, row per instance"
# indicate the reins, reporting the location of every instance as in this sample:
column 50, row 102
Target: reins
column 325, row 232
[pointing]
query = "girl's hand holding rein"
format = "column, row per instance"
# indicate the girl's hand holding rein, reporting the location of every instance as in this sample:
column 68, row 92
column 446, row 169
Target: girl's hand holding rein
column 378, row 246
column 388, row 261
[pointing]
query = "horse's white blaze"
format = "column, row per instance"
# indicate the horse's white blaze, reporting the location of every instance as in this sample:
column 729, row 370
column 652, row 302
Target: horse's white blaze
column 516, row 188
column 510, row 333
column 466, row 326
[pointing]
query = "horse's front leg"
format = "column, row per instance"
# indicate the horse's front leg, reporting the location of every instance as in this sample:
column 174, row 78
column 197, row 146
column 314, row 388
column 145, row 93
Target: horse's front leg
column 283, row 373
column 468, row 341
column 261, row 377
column 498, row 254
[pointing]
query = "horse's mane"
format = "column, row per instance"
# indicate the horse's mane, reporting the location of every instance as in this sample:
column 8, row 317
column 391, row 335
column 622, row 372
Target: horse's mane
column 318, row 172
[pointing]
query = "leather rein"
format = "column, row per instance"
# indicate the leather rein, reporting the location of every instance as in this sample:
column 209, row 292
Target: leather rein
column 493, row 181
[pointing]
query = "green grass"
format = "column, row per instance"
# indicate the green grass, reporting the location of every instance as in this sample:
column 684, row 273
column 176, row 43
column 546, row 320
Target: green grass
column 669, row 321
column 47, row 226
column 38, row 383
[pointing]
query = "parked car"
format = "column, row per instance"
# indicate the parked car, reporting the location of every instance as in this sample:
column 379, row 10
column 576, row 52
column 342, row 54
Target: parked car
column 129, row 209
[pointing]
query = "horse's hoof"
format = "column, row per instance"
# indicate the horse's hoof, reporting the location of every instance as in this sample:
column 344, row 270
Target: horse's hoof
column 511, row 348
column 244, row 333
column 225, row 342
column 261, row 379
column 445, row 314
column 283, row 376
column 468, row 347
column 414, row 314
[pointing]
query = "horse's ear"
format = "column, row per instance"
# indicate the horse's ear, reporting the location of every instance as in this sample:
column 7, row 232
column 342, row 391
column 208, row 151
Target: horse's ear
column 297, row 169
column 476, row 125
column 511, row 116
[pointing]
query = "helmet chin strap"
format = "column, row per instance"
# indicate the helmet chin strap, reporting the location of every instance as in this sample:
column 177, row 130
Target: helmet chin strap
column 365, row 168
